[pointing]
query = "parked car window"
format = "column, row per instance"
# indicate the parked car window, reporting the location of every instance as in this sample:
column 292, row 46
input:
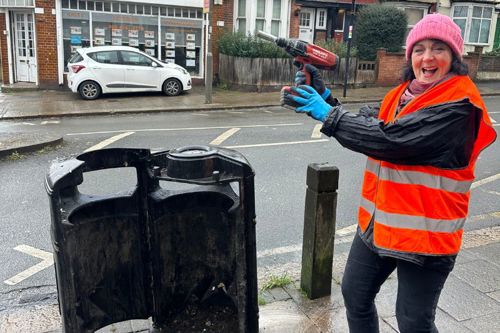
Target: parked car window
column 77, row 57
column 105, row 57
column 135, row 59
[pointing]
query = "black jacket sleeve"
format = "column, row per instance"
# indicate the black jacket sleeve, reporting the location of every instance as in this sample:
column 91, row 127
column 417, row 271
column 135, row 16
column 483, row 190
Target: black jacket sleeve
column 441, row 136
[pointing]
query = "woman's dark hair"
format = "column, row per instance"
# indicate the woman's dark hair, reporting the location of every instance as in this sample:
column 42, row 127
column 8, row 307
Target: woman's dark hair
column 457, row 66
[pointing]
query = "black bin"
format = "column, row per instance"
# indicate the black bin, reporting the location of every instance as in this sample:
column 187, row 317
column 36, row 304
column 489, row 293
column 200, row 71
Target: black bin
column 184, row 257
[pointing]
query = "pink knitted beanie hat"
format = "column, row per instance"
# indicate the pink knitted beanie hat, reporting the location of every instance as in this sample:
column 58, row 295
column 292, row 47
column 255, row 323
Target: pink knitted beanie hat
column 436, row 26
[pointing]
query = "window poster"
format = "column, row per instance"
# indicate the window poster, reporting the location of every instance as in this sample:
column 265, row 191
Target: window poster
column 99, row 41
column 149, row 34
column 190, row 54
column 170, row 45
column 190, row 46
column 100, row 32
column 190, row 63
column 133, row 33
column 169, row 36
column 76, row 30
column 149, row 42
column 170, row 53
column 76, row 40
column 150, row 52
column 116, row 41
column 191, row 37
column 170, row 61
column 116, row 32
column 133, row 42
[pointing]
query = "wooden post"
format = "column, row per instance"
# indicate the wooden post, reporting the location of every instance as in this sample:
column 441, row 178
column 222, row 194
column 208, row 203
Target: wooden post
column 319, row 230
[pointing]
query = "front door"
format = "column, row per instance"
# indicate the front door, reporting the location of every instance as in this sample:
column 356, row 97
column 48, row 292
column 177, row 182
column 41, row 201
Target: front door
column 24, row 47
column 306, row 25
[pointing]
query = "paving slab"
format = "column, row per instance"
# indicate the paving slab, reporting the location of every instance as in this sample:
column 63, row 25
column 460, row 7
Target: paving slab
column 480, row 274
column 485, row 324
column 495, row 295
column 463, row 302
column 285, row 316
column 444, row 323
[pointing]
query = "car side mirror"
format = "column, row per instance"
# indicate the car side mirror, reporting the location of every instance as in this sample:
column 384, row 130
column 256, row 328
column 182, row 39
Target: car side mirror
column 154, row 64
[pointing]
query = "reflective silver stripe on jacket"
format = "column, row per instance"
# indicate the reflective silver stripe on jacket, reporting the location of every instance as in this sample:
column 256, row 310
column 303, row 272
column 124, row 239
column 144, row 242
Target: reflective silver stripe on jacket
column 411, row 221
column 367, row 205
column 419, row 222
column 419, row 178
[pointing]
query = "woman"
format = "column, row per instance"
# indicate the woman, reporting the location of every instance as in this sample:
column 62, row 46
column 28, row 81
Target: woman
column 422, row 145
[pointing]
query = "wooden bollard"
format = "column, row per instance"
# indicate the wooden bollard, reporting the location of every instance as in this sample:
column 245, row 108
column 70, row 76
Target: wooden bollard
column 319, row 229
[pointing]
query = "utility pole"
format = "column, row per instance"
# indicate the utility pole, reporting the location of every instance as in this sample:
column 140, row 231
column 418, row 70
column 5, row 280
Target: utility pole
column 207, row 8
column 349, row 41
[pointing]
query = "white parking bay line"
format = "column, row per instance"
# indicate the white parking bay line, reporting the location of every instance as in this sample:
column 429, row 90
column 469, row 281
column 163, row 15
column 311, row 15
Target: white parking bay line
column 224, row 136
column 186, row 128
column 109, row 141
column 485, row 181
column 277, row 144
column 316, row 134
column 298, row 247
column 47, row 261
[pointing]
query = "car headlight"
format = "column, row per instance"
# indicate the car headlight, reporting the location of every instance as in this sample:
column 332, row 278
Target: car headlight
column 182, row 70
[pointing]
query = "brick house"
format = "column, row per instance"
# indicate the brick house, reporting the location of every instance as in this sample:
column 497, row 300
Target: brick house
column 39, row 36
column 477, row 18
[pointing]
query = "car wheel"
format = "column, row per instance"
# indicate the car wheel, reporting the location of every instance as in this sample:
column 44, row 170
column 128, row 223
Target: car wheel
column 172, row 87
column 89, row 90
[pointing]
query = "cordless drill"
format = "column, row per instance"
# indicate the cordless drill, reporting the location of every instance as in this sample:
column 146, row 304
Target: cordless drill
column 304, row 53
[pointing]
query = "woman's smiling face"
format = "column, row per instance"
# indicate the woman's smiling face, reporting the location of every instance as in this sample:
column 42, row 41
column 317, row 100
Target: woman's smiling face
column 431, row 60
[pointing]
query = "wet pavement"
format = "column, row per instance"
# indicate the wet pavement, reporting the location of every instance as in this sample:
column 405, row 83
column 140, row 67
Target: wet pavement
column 470, row 301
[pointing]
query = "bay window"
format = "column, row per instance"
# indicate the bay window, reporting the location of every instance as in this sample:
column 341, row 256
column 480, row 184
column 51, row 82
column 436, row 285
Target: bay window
column 265, row 15
column 474, row 21
column 241, row 22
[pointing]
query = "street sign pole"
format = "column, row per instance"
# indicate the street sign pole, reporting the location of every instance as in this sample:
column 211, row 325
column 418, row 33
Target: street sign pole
column 207, row 8
column 349, row 41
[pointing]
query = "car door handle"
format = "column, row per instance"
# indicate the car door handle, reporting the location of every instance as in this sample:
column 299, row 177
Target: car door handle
column 130, row 69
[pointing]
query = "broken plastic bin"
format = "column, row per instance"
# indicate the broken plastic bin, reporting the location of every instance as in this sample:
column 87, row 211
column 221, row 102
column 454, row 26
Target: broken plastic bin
column 185, row 257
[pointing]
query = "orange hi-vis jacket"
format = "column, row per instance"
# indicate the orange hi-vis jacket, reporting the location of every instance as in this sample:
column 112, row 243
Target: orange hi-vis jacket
column 422, row 209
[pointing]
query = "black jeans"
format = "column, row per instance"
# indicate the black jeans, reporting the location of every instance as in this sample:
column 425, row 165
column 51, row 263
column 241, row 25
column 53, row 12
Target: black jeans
column 419, row 288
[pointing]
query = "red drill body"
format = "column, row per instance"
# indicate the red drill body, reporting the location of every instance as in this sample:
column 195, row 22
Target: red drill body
column 304, row 53
column 307, row 53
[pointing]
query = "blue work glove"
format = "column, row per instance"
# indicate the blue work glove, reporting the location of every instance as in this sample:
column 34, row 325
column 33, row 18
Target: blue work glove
column 311, row 102
column 316, row 80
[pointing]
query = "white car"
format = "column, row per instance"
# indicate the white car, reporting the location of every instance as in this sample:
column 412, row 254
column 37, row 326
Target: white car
column 115, row 69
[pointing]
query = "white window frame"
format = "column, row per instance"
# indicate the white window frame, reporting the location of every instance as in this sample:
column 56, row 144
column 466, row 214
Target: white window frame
column 325, row 16
column 422, row 9
column 251, row 15
column 468, row 20
column 17, row 3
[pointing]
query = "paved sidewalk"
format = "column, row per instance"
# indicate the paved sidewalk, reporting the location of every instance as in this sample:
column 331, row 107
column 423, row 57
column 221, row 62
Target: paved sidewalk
column 470, row 301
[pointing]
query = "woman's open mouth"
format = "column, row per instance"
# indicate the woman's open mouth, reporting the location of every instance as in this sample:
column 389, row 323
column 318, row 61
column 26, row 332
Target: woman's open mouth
column 429, row 71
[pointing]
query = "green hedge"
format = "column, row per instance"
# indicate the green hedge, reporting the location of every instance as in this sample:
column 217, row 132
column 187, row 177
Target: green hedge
column 339, row 49
column 494, row 52
column 239, row 45
column 379, row 26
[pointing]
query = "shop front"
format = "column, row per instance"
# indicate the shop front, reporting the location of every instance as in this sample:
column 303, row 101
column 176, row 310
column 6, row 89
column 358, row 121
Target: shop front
column 169, row 33
column 39, row 37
